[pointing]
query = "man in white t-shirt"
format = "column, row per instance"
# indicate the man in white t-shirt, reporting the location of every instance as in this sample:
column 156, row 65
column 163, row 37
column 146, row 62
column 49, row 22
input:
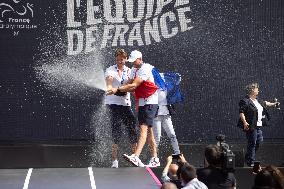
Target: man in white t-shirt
column 116, row 76
column 188, row 177
column 164, row 120
column 142, row 83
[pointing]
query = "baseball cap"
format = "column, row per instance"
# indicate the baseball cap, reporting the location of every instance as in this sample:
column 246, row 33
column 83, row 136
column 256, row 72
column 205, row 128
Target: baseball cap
column 134, row 55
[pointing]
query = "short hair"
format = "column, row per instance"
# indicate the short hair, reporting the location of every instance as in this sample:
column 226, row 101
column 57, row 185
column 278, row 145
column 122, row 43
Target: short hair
column 270, row 177
column 121, row 52
column 213, row 154
column 187, row 172
column 263, row 179
column 277, row 176
column 250, row 87
column 168, row 185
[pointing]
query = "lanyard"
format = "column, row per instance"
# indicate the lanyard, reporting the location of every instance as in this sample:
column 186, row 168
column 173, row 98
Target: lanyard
column 123, row 76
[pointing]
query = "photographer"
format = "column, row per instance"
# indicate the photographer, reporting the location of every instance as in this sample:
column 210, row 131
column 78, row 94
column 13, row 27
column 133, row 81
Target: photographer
column 181, row 173
column 169, row 173
column 213, row 175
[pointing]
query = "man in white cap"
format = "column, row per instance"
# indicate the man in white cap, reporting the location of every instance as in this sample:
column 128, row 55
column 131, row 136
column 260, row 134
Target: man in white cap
column 142, row 83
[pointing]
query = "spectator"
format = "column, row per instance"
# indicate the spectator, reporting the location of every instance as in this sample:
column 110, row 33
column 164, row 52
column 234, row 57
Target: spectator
column 188, row 177
column 169, row 173
column 213, row 175
column 169, row 185
column 270, row 178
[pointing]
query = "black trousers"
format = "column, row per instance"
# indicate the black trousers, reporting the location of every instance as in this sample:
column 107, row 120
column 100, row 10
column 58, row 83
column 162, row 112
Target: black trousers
column 122, row 116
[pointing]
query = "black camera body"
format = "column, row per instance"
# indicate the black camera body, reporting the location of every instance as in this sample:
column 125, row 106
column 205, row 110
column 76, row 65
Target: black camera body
column 227, row 156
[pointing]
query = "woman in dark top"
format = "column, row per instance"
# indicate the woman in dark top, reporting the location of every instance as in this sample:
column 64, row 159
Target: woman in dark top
column 253, row 116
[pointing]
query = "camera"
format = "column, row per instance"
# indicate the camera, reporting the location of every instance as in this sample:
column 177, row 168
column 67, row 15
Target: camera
column 176, row 156
column 176, row 159
column 227, row 156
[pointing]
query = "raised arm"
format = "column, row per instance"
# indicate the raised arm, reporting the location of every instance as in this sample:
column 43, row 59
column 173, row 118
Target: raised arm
column 165, row 177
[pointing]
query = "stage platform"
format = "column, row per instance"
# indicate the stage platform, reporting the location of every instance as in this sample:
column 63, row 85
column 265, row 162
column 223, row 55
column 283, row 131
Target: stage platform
column 77, row 178
column 68, row 165
column 96, row 178
column 85, row 155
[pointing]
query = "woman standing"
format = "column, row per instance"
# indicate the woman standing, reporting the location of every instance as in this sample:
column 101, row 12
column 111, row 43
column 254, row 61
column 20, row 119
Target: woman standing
column 253, row 116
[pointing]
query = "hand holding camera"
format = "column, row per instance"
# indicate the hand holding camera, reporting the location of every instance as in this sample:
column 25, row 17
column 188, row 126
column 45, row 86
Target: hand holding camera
column 178, row 158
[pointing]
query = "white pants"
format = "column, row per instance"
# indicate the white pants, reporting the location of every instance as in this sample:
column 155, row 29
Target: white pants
column 165, row 121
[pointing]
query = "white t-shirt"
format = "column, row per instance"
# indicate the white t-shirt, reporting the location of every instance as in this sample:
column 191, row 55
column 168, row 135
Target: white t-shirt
column 162, row 101
column 118, row 81
column 195, row 184
column 259, row 112
column 145, row 73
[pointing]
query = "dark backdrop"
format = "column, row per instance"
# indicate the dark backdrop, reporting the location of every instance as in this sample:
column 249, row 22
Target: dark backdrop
column 231, row 44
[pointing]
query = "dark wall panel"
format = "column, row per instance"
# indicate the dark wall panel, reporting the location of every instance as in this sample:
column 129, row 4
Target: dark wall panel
column 218, row 47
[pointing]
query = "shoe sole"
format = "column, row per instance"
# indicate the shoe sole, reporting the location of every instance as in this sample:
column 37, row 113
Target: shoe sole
column 152, row 166
column 128, row 160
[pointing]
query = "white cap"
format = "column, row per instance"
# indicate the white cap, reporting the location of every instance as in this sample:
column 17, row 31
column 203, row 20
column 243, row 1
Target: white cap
column 134, row 55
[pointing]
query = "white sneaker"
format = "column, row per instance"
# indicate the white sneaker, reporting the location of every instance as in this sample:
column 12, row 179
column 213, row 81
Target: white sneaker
column 154, row 162
column 114, row 164
column 134, row 160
